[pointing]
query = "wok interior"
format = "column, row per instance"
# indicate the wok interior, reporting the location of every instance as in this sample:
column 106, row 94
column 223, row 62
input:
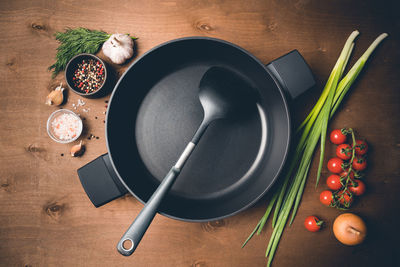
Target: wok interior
column 126, row 103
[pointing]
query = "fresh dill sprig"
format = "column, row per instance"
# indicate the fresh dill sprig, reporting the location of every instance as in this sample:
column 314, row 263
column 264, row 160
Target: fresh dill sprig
column 74, row 42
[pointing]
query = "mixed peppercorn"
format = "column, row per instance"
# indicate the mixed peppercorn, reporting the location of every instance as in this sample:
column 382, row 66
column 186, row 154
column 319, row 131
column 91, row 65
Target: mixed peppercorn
column 88, row 76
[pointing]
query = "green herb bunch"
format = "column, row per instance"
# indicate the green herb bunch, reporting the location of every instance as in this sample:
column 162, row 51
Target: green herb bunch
column 74, row 42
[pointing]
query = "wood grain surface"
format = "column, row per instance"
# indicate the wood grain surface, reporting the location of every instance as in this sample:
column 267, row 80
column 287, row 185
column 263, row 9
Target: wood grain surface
column 46, row 218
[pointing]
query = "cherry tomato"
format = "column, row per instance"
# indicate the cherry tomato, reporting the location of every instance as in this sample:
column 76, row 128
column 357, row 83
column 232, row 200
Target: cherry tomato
column 335, row 165
column 346, row 200
column 326, row 197
column 313, row 224
column 344, row 174
column 359, row 164
column 344, row 151
column 361, row 147
column 358, row 189
column 333, row 182
column 337, row 137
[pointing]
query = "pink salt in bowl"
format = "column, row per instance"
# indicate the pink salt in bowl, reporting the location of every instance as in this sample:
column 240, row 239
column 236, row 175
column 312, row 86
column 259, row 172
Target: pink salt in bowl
column 64, row 126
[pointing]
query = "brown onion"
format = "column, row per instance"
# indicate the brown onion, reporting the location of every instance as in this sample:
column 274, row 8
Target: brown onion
column 349, row 229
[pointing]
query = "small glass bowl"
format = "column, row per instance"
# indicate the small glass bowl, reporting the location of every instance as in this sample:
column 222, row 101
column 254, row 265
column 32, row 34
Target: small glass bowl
column 56, row 114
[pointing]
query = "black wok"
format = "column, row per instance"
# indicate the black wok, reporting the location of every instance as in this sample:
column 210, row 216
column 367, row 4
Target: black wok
column 154, row 111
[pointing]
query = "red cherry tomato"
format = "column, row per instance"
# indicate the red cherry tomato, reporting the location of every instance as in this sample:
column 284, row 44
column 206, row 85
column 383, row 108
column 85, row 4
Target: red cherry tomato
column 326, row 197
column 313, row 224
column 344, row 198
column 358, row 189
column 359, row 164
column 337, row 137
column 344, row 174
column 333, row 182
column 335, row 165
column 361, row 147
column 344, row 151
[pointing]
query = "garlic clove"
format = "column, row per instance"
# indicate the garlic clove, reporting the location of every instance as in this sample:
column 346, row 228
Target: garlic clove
column 77, row 150
column 56, row 97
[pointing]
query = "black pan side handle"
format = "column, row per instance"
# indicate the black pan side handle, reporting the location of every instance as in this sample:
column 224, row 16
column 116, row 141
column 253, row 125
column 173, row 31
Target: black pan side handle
column 292, row 73
column 100, row 181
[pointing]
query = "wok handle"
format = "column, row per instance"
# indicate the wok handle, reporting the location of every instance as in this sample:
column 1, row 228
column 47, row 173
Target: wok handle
column 100, row 181
column 139, row 226
column 292, row 73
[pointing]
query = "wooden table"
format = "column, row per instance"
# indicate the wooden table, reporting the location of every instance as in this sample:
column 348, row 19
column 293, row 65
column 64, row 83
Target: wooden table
column 46, row 218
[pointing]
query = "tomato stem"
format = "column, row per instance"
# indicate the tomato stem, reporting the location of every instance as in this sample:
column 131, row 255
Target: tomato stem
column 348, row 179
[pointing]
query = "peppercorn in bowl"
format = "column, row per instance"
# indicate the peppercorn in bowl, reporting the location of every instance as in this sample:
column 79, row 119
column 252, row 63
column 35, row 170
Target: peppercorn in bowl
column 87, row 75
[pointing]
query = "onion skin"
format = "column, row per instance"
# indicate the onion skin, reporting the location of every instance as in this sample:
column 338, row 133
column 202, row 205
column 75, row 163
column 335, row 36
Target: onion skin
column 349, row 229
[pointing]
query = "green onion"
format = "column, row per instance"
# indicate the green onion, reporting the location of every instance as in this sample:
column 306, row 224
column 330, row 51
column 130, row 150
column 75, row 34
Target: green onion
column 326, row 110
column 288, row 195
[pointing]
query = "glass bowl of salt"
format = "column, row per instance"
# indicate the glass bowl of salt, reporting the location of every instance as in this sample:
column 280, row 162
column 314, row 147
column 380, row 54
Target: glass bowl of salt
column 64, row 126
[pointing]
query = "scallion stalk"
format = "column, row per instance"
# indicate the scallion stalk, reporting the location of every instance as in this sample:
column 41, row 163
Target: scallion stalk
column 332, row 89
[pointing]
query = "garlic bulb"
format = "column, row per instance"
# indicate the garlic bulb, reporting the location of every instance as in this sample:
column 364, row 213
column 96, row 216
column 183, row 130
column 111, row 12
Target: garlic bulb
column 56, row 97
column 119, row 47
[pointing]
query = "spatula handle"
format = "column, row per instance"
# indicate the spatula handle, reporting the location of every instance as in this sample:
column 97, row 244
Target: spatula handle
column 139, row 226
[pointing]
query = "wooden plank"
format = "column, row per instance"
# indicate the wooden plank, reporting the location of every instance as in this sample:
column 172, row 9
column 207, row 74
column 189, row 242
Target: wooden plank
column 45, row 216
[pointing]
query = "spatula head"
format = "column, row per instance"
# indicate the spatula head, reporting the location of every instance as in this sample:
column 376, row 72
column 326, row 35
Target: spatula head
column 224, row 94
